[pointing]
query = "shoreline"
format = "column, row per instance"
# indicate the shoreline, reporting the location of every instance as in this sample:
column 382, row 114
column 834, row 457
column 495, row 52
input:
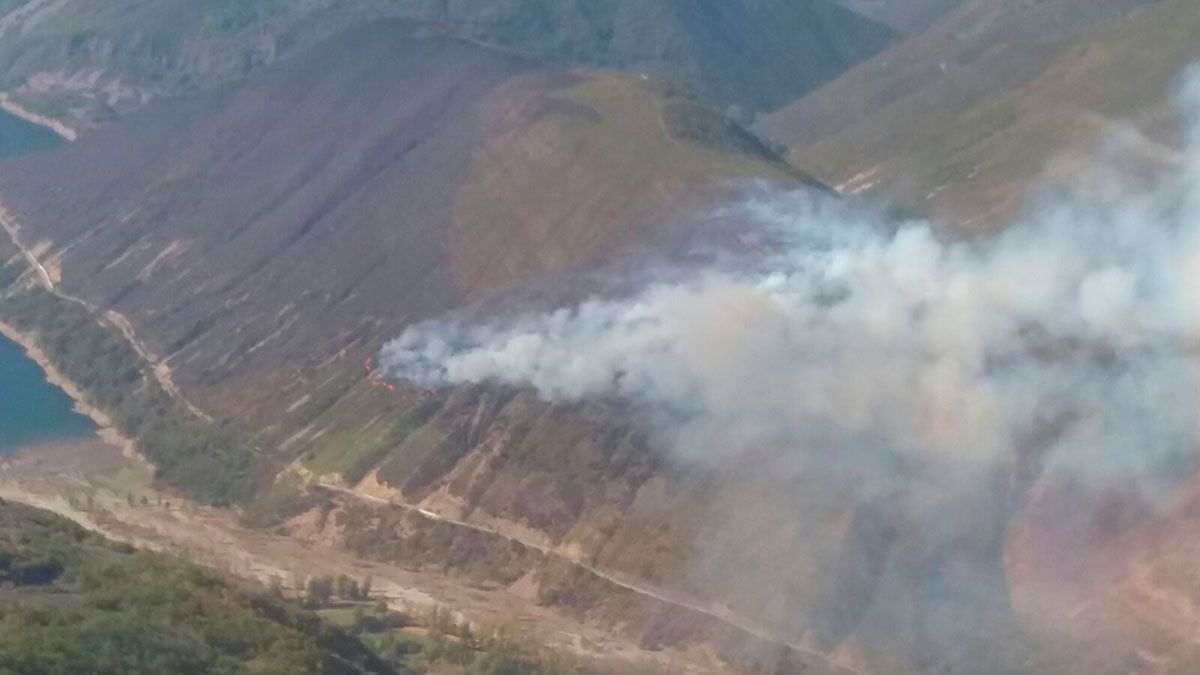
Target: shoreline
column 16, row 110
column 105, row 428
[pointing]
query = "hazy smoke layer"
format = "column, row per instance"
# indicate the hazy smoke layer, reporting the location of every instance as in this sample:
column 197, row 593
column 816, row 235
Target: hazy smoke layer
column 1077, row 327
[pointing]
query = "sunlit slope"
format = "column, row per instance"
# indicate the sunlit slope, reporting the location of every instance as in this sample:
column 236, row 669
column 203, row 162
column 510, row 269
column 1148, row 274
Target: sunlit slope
column 970, row 49
column 608, row 163
column 967, row 145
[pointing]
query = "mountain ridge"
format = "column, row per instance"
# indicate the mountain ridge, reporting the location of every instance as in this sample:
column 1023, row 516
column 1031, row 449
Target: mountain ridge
column 87, row 63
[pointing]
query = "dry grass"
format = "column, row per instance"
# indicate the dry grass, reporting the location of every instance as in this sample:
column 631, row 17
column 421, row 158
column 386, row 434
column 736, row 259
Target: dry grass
column 972, row 167
column 584, row 174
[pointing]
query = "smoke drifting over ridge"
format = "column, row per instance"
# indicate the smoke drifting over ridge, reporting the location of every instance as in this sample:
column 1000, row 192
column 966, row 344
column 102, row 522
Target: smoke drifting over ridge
column 1080, row 323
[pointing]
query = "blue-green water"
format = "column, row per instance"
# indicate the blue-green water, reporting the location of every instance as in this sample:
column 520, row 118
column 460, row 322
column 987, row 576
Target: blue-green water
column 31, row 409
column 18, row 137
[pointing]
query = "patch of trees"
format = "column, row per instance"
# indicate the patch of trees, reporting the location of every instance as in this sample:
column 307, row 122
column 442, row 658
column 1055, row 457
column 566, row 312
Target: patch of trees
column 414, row 541
column 321, row 590
column 209, row 461
column 451, row 646
column 112, row 611
column 691, row 121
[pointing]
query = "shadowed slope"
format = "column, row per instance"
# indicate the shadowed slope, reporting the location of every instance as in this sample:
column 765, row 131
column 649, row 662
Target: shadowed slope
column 83, row 60
column 295, row 203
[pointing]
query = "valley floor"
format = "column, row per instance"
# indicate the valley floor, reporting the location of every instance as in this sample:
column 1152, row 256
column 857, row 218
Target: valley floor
column 97, row 485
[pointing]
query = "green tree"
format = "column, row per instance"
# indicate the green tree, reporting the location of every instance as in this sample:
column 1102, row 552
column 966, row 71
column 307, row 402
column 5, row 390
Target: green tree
column 320, row 591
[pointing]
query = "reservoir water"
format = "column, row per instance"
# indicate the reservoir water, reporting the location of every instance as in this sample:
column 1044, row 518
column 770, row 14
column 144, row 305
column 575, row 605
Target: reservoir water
column 32, row 410
column 18, row 137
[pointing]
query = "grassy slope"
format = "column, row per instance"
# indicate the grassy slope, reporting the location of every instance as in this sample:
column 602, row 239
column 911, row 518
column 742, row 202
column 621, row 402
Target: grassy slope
column 971, row 51
column 571, row 172
column 604, row 143
column 980, row 160
column 616, row 166
column 377, row 180
column 633, row 157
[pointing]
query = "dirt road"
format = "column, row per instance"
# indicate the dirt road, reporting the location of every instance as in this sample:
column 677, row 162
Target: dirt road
column 63, row 477
column 47, row 280
column 661, row 595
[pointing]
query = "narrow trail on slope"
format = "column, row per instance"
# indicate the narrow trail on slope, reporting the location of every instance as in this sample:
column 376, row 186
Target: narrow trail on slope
column 158, row 366
column 658, row 594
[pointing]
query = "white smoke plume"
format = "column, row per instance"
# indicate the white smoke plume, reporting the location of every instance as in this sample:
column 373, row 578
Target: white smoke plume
column 849, row 333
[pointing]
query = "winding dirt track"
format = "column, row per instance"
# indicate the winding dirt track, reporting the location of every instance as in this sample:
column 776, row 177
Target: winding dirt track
column 661, row 595
column 159, row 367
column 61, row 477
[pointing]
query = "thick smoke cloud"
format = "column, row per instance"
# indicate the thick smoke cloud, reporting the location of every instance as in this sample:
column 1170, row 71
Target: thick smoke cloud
column 1075, row 328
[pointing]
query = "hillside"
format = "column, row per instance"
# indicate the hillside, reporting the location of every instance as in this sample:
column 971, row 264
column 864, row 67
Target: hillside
column 924, row 117
column 85, row 61
column 264, row 240
column 969, row 50
column 76, row 603
column 220, row 269
column 1100, row 574
column 259, row 242
column 380, row 179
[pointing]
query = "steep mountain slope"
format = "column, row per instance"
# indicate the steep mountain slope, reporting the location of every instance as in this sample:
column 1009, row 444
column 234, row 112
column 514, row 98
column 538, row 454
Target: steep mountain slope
column 904, row 119
column 266, row 238
column 354, row 190
column 973, row 49
column 1099, row 573
column 81, row 59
